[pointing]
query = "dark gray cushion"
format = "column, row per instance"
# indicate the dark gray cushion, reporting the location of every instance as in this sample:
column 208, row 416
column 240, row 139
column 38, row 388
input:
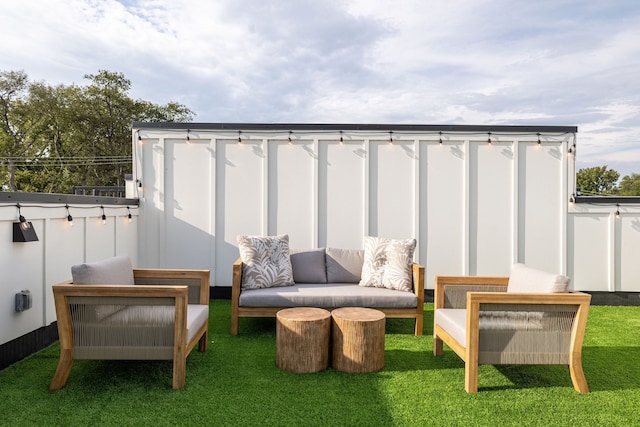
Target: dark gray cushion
column 344, row 265
column 328, row 295
column 309, row 266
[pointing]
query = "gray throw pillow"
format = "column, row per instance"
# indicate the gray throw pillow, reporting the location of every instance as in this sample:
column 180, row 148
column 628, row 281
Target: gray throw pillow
column 266, row 261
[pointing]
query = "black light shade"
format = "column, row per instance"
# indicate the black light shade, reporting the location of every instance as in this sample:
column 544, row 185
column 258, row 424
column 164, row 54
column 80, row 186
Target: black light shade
column 24, row 232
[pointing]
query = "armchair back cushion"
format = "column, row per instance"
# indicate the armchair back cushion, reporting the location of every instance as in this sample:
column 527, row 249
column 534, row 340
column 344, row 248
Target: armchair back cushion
column 527, row 279
column 111, row 271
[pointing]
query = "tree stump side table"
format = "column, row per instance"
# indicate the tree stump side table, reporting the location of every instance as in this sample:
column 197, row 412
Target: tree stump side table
column 302, row 339
column 358, row 339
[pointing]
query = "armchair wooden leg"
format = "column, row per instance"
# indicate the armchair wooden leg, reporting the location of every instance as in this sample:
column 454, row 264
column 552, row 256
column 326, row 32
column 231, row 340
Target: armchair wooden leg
column 179, row 372
column 577, row 375
column 471, row 377
column 419, row 325
column 204, row 342
column 63, row 370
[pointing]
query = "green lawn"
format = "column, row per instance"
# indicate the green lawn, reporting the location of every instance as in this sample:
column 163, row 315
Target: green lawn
column 236, row 383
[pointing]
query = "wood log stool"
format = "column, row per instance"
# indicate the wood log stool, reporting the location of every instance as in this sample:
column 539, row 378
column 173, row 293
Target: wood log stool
column 358, row 339
column 302, row 339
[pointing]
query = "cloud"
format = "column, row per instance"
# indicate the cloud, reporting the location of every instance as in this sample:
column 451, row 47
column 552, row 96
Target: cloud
column 570, row 62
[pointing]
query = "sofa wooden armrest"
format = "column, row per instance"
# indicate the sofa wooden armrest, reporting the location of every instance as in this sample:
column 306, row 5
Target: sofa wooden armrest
column 162, row 317
column 509, row 328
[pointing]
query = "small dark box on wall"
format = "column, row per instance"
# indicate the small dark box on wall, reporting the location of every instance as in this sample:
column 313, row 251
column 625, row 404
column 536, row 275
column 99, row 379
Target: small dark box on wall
column 23, row 300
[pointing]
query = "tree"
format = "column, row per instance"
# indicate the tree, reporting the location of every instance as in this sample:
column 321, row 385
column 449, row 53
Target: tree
column 629, row 185
column 597, row 181
column 52, row 138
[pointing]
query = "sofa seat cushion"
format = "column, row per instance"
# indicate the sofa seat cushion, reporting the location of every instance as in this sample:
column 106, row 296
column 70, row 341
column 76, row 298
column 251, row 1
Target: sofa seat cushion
column 454, row 321
column 331, row 295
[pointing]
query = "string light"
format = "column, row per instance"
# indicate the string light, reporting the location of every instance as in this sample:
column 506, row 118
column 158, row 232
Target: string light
column 390, row 137
column 188, row 139
column 24, row 224
column 617, row 210
column 489, row 139
column 290, row 132
column 539, row 142
column 239, row 138
column 104, row 217
column 440, row 140
column 129, row 216
column 341, row 139
column 69, row 217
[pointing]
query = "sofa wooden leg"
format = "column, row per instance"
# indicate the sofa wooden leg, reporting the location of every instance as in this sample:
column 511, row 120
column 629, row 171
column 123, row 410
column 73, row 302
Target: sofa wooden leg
column 471, row 377
column 63, row 370
column 577, row 375
column 437, row 346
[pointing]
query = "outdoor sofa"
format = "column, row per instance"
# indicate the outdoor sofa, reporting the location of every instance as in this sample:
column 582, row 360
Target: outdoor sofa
column 327, row 278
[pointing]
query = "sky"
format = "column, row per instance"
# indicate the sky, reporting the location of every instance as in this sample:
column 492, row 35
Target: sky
column 453, row 62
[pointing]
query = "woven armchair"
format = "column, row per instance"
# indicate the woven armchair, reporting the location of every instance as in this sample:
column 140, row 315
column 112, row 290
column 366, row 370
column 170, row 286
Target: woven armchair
column 484, row 324
column 162, row 317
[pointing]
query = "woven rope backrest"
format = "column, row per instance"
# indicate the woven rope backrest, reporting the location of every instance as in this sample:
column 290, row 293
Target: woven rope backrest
column 192, row 283
column 525, row 333
column 122, row 328
column 455, row 296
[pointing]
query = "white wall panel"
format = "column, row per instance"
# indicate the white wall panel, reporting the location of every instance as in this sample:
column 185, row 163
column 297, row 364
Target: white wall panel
column 628, row 253
column 341, row 194
column 240, row 199
column 589, row 255
column 540, row 234
column 443, row 208
column 187, row 218
column 490, row 208
column 292, row 191
column 392, row 181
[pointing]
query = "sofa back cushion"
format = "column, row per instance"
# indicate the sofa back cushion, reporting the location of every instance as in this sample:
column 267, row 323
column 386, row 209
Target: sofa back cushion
column 344, row 265
column 111, row 271
column 309, row 266
column 527, row 279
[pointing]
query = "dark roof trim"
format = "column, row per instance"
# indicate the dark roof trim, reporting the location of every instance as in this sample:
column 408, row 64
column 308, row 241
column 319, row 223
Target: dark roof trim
column 353, row 127
column 608, row 201
column 20, row 197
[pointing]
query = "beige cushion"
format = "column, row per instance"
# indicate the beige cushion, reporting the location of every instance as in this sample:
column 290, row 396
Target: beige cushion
column 344, row 265
column 266, row 261
column 527, row 279
column 111, row 271
column 387, row 263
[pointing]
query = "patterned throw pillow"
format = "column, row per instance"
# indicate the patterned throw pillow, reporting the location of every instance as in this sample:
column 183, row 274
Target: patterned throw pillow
column 387, row 263
column 266, row 261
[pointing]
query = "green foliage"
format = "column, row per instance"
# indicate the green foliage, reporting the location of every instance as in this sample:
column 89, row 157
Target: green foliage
column 236, row 383
column 55, row 137
column 630, row 185
column 597, row 180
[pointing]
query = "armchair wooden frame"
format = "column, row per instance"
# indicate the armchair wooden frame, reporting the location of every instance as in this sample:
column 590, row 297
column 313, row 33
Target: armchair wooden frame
column 177, row 288
column 475, row 294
